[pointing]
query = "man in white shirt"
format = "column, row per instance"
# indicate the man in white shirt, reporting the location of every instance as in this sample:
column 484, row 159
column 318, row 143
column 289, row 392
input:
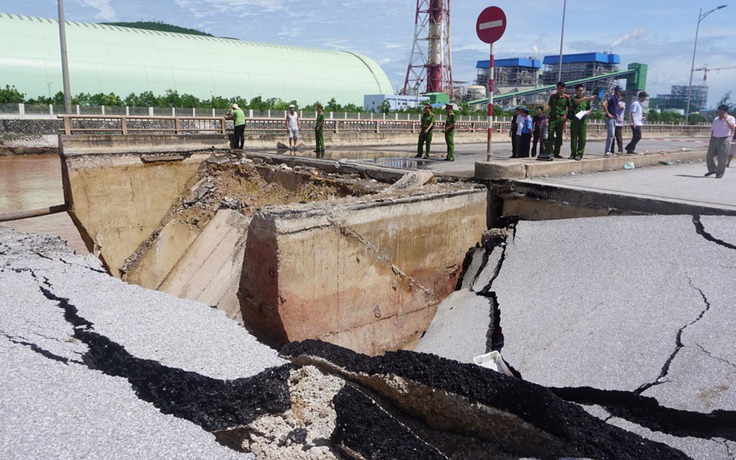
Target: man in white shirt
column 720, row 139
column 636, row 119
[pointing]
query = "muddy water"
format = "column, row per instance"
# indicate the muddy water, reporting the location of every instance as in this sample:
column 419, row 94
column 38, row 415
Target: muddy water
column 34, row 182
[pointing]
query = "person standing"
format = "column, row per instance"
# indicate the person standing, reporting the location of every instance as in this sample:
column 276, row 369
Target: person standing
column 525, row 133
column 636, row 118
column 732, row 152
column 512, row 132
column 238, row 116
column 537, row 138
column 319, row 134
column 579, row 122
column 425, row 134
column 720, row 135
column 611, row 110
column 292, row 126
column 619, row 135
column 557, row 107
column 450, row 133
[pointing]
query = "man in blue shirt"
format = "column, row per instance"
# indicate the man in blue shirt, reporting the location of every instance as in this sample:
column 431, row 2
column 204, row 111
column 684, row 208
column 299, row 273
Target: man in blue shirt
column 612, row 111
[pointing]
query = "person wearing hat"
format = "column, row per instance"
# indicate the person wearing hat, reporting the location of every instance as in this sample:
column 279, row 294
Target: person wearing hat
column 526, row 126
column 450, row 133
column 557, row 108
column 718, row 146
column 579, row 126
column 319, row 135
column 612, row 111
column 425, row 134
column 238, row 116
column 636, row 117
column 292, row 126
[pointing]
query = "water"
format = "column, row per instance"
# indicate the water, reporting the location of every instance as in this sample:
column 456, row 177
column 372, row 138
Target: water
column 34, row 182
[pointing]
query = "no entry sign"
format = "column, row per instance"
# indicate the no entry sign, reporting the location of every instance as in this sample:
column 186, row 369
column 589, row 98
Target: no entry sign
column 491, row 24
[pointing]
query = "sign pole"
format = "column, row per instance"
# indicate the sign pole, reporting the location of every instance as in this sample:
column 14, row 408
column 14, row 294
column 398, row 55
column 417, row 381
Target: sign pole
column 489, row 27
column 489, row 149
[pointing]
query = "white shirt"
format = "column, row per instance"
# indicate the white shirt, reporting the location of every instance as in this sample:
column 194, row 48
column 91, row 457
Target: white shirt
column 293, row 120
column 637, row 114
column 721, row 128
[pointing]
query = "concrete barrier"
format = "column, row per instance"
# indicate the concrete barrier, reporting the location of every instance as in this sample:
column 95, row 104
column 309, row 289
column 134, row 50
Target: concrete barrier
column 531, row 168
column 364, row 275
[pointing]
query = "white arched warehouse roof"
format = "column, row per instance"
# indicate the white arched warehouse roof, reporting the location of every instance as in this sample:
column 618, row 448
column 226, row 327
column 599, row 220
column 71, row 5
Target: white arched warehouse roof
column 121, row 60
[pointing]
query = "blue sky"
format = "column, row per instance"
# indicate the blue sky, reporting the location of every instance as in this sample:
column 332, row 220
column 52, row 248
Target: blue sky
column 658, row 33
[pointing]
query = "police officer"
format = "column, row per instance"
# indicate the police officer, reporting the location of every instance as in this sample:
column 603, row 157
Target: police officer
column 557, row 108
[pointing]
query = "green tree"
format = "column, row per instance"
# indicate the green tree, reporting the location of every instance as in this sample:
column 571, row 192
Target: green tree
column 108, row 100
column 725, row 100
column 10, row 95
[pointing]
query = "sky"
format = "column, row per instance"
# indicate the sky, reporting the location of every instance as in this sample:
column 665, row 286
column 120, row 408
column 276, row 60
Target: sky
column 658, row 33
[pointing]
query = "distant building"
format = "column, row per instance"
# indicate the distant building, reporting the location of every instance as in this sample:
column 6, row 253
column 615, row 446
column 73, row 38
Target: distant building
column 373, row 102
column 519, row 74
column 677, row 98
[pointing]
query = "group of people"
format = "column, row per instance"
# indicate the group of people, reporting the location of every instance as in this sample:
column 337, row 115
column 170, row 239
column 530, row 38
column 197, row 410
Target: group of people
column 426, row 129
column 293, row 125
column 547, row 129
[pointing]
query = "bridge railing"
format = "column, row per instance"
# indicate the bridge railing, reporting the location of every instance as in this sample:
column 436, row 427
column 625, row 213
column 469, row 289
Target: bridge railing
column 134, row 124
column 138, row 124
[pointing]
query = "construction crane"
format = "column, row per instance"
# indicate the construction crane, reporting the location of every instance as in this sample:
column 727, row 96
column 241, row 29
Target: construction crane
column 707, row 69
column 430, row 61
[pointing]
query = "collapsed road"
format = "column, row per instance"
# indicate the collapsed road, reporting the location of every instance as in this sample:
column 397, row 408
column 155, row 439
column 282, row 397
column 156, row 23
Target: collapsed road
column 95, row 367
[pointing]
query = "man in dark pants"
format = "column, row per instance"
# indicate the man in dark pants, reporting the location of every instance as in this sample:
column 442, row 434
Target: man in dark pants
column 238, row 116
column 512, row 132
column 557, row 107
column 525, row 138
column 450, row 133
column 636, row 117
column 537, row 133
column 319, row 134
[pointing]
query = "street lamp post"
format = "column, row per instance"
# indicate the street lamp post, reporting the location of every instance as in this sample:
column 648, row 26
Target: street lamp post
column 562, row 35
column 701, row 16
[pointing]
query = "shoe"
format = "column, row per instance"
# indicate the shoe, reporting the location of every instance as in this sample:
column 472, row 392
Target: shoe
column 544, row 158
column 449, row 159
column 418, row 155
column 557, row 155
column 631, row 152
column 426, row 157
column 578, row 157
column 708, row 174
column 607, row 154
column 571, row 157
column 719, row 176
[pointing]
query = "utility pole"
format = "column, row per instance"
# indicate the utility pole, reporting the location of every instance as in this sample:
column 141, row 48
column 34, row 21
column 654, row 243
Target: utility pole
column 64, row 60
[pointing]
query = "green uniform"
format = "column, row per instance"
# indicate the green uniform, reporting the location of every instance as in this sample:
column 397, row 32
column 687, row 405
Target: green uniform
column 578, row 129
column 558, row 107
column 425, row 137
column 238, row 139
column 319, row 135
column 450, row 136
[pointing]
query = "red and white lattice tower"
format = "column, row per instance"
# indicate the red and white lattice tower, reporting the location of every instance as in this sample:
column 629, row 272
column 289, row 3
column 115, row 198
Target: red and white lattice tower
column 431, row 63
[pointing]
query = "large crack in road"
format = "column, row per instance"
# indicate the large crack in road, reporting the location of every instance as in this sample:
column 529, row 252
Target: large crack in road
column 632, row 405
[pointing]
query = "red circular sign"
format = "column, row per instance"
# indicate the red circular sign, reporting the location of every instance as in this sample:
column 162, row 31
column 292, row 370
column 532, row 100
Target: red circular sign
column 491, row 24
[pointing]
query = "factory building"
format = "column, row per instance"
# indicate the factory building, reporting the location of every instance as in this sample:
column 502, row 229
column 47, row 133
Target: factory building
column 120, row 60
column 597, row 71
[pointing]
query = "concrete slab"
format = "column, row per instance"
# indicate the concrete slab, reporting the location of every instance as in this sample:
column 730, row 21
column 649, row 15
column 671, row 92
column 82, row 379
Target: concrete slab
column 621, row 305
column 83, row 355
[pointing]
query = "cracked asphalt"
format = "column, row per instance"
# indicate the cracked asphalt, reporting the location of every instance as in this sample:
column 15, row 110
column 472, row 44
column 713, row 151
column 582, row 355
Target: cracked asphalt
column 59, row 400
column 612, row 312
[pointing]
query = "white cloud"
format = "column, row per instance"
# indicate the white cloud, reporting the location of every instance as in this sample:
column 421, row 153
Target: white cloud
column 205, row 8
column 105, row 12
